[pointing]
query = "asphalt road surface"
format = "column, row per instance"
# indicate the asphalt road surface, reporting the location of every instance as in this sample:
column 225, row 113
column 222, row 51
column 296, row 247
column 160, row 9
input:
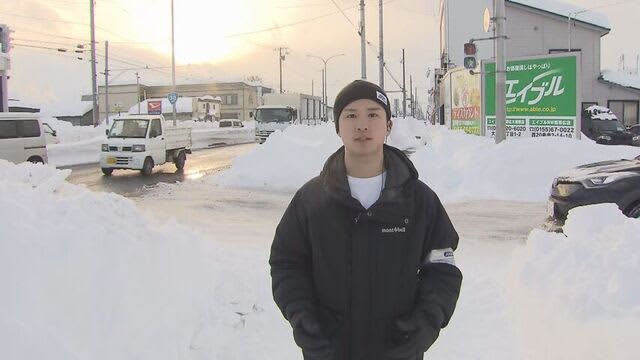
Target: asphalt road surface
column 131, row 183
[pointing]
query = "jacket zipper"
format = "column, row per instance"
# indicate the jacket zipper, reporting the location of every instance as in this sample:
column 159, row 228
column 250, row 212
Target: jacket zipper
column 349, row 284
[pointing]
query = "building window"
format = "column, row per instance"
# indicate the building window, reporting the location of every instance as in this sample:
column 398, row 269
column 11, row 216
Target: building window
column 229, row 99
column 625, row 110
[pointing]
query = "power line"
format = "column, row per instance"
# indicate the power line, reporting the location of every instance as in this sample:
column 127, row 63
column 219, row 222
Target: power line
column 45, row 19
column 52, row 35
column 345, row 15
column 44, row 47
column 45, row 42
column 64, row 22
column 278, row 27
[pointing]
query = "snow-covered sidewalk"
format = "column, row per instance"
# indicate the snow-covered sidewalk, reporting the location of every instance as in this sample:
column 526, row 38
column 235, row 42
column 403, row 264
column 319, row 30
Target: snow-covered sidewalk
column 182, row 272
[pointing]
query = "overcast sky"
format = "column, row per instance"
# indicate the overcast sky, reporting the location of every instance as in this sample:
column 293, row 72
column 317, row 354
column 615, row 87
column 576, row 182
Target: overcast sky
column 230, row 40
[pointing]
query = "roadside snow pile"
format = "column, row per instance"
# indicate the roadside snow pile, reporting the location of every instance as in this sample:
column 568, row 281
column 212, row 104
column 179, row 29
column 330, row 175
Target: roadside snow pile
column 290, row 158
column 407, row 133
column 285, row 161
column 458, row 166
column 578, row 297
column 78, row 144
column 88, row 276
column 462, row 167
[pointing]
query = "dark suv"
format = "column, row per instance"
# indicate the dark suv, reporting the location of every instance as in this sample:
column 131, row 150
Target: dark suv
column 616, row 181
column 601, row 125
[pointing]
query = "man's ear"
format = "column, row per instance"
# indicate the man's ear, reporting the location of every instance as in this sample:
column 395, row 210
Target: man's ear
column 389, row 126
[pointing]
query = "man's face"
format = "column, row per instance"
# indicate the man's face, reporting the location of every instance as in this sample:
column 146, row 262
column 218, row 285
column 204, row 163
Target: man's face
column 363, row 127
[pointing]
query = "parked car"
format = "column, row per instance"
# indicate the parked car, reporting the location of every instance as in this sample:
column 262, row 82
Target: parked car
column 22, row 138
column 615, row 181
column 603, row 126
column 230, row 123
column 635, row 130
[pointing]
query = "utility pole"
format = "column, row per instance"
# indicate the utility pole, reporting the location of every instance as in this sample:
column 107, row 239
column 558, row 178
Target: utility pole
column 501, row 73
column 173, row 65
column 313, row 101
column 138, row 90
column 94, row 75
column 281, row 59
column 106, row 80
column 411, row 93
column 326, row 86
column 415, row 101
column 323, row 111
column 363, row 41
column 381, row 56
column 404, row 88
column 5, row 48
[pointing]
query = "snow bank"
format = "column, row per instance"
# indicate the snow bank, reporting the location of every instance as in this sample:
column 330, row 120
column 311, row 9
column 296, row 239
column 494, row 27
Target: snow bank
column 456, row 165
column 285, row 161
column 290, row 158
column 81, row 144
column 578, row 297
column 78, row 144
column 462, row 167
column 88, row 276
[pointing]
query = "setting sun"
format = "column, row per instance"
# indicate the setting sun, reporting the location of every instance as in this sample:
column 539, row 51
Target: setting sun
column 200, row 35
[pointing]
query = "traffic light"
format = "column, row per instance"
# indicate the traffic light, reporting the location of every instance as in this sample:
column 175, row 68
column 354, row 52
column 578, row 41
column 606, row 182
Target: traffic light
column 470, row 61
column 5, row 40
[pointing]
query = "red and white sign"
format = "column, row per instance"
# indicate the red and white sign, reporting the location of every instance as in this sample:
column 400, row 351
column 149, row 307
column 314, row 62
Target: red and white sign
column 154, row 107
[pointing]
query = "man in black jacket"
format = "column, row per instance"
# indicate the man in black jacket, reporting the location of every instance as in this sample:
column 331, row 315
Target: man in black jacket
column 362, row 261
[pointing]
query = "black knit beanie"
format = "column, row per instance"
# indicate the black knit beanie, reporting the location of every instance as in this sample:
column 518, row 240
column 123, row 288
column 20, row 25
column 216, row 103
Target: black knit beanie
column 359, row 89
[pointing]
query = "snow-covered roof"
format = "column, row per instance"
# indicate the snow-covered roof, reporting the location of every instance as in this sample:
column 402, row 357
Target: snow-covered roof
column 184, row 105
column 622, row 78
column 598, row 109
column 601, row 113
column 53, row 106
column 565, row 9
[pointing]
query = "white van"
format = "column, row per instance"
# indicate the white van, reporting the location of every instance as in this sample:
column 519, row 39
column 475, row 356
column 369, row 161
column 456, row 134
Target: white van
column 22, row 138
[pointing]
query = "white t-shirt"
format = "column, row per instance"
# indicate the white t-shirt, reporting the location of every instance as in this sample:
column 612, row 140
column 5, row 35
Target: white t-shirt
column 367, row 190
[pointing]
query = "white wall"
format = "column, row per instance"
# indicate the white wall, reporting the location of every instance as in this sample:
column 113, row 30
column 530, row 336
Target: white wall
column 463, row 20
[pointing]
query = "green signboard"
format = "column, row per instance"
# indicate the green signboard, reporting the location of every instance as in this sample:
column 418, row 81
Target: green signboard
column 542, row 93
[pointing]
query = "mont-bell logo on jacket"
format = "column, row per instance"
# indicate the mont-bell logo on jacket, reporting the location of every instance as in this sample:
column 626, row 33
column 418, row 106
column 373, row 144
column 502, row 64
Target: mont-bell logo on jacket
column 394, row 230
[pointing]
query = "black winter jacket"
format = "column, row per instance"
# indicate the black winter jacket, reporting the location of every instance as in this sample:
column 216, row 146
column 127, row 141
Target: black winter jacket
column 357, row 271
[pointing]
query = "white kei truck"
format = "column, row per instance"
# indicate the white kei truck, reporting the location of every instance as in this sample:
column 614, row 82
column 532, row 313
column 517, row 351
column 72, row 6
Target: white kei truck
column 139, row 142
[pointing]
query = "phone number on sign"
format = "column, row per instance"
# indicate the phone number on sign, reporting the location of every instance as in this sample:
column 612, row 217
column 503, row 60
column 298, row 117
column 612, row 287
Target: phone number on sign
column 548, row 129
column 508, row 128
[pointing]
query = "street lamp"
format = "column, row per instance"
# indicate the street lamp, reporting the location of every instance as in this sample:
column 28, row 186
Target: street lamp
column 324, row 79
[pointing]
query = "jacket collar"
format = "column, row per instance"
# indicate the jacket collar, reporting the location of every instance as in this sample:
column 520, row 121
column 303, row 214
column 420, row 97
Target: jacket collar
column 399, row 168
